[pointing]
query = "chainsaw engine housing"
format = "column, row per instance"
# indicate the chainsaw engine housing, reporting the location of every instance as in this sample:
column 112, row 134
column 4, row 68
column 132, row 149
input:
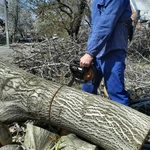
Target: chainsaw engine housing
column 82, row 74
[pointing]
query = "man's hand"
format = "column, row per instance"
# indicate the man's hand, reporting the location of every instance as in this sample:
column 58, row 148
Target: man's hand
column 86, row 60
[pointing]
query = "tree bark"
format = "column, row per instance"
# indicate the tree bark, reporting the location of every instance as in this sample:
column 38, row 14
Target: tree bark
column 104, row 122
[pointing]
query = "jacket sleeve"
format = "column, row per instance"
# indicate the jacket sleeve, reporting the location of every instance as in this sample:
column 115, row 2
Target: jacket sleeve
column 105, row 15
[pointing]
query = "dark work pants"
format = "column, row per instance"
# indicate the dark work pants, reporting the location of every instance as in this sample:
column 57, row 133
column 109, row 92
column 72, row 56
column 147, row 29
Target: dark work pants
column 111, row 67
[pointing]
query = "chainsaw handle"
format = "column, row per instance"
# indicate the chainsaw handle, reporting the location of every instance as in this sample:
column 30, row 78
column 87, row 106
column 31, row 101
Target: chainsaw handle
column 76, row 61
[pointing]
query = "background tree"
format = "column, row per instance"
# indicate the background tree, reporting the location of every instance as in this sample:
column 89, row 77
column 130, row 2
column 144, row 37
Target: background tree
column 20, row 19
column 60, row 17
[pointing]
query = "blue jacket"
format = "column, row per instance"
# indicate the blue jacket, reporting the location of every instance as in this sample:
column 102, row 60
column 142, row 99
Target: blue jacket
column 108, row 31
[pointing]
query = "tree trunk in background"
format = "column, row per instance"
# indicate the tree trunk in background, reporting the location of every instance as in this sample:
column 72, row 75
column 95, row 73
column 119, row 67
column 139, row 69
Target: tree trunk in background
column 103, row 122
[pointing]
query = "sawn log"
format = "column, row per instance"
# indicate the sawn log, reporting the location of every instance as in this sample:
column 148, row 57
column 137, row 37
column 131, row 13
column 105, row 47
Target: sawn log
column 103, row 122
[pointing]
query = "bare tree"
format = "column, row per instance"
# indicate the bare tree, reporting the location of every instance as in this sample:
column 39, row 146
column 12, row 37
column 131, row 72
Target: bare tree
column 20, row 19
column 60, row 16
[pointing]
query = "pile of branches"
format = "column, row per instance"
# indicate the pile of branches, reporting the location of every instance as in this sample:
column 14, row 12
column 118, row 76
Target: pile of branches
column 50, row 59
column 138, row 60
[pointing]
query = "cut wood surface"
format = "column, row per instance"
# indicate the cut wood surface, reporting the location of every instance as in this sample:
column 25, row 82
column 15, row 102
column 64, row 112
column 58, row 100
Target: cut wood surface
column 103, row 122
column 39, row 139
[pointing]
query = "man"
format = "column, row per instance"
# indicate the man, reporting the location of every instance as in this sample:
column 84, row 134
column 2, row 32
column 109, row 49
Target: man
column 107, row 47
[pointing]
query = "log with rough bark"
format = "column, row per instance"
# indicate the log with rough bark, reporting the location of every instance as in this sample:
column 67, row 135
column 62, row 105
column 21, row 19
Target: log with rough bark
column 104, row 122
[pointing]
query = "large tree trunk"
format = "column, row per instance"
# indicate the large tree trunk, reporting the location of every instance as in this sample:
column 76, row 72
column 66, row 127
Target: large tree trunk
column 104, row 122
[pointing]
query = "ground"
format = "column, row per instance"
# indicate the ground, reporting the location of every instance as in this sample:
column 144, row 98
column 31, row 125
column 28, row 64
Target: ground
column 6, row 53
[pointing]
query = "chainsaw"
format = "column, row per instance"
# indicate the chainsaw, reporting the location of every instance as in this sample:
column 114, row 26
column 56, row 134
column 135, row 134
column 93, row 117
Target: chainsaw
column 81, row 74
